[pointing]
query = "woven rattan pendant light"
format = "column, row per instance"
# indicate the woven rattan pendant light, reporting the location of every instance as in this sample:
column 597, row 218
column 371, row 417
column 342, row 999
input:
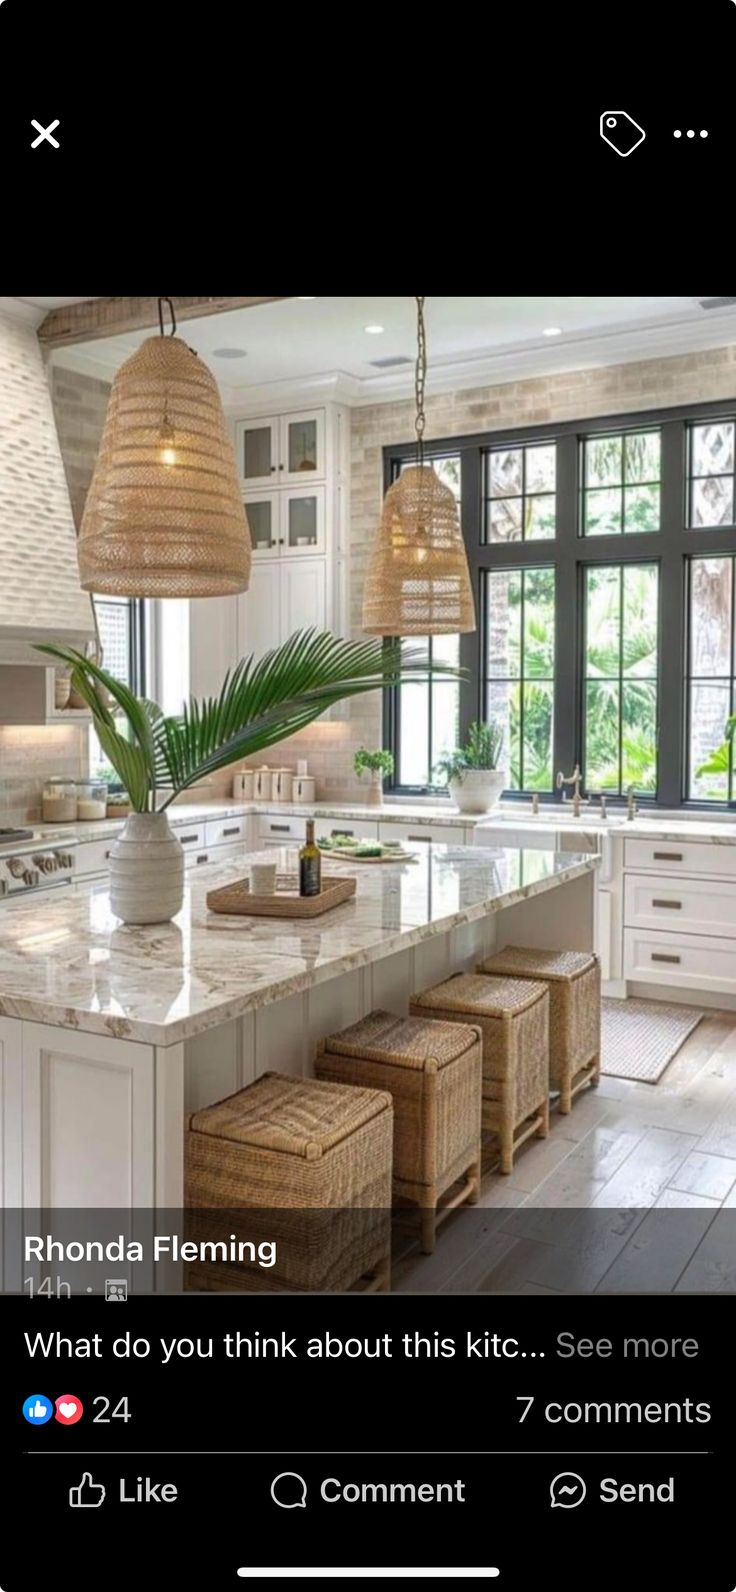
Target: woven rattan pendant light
column 164, row 516
column 418, row 582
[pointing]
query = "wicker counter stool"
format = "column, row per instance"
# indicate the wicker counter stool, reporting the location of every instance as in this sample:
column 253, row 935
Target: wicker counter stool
column 433, row 1072
column 573, row 979
column 513, row 1017
column 312, row 1162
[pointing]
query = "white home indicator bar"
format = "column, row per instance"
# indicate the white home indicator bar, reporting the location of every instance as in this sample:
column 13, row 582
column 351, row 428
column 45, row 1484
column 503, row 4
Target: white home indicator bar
column 365, row 1572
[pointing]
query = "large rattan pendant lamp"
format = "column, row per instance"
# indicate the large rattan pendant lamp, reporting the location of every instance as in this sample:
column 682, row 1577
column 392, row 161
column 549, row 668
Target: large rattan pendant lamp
column 418, row 582
column 164, row 516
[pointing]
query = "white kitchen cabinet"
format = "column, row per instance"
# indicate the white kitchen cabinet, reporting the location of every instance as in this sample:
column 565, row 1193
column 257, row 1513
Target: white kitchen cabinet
column 422, row 834
column 690, row 961
column 226, row 831
column 92, row 858
column 675, row 857
column 281, row 449
column 695, row 906
column 280, row 829
column 28, row 696
column 282, row 598
column 303, row 596
column 358, row 828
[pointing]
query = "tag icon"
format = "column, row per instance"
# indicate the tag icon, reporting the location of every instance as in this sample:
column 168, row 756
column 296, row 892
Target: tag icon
column 621, row 132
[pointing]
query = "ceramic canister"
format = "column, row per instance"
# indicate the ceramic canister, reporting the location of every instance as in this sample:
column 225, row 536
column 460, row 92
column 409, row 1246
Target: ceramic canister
column 303, row 788
column 281, row 784
column 243, row 786
column 262, row 784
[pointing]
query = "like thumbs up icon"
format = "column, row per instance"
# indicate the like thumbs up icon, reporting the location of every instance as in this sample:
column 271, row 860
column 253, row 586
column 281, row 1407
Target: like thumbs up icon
column 88, row 1495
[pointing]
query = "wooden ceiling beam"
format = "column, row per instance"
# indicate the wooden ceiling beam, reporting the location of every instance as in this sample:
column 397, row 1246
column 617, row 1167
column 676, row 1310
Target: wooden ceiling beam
column 112, row 317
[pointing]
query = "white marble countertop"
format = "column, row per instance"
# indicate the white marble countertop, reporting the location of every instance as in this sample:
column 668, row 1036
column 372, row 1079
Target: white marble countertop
column 65, row 960
column 713, row 831
column 199, row 812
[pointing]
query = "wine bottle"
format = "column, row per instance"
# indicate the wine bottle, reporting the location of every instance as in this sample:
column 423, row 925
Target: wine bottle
column 310, row 864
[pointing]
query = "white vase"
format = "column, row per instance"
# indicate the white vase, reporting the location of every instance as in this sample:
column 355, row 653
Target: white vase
column 146, row 870
column 479, row 790
column 375, row 789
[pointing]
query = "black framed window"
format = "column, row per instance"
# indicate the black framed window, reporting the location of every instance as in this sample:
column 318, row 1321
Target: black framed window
column 122, row 626
column 602, row 555
column 711, row 678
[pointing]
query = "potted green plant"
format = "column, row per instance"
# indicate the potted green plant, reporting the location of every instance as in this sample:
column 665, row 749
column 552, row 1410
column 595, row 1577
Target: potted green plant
column 261, row 702
column 472, row 771
column 380, row 765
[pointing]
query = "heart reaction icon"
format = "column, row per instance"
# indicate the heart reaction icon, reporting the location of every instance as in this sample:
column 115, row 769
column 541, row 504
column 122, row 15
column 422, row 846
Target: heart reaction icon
column 69, row 1409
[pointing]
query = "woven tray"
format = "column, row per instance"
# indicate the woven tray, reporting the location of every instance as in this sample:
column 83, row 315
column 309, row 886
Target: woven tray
column 236, row 898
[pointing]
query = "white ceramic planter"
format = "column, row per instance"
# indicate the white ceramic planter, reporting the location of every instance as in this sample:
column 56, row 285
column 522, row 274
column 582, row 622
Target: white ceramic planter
column 479, row 790
column 146, row 870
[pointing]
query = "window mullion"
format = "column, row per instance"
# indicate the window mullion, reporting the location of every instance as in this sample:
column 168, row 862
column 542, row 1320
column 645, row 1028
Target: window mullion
column 671, row 683
column 567, row 731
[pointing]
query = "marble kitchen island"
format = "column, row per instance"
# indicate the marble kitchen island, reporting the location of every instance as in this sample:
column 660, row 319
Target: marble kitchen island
column 109, row 1034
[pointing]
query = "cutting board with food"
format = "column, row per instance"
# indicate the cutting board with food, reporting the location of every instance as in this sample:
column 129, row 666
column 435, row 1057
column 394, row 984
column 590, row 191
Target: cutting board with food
column 346, row 846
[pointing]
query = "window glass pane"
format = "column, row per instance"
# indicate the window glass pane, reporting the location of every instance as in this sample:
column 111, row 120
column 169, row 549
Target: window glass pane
column 519, row 668
column 539, row 522
column 621, row 628
column 506, row 472
column 603, row 513
column 712, row 500
column 641, row 508
column 414, row 739
column 448, row 471
column 603, row 461
column 113, row 618
column 642, row 456
column 640, row 599
column 712, row 448
column 506, row 519
column 710, row 706
column 541, row 464
column 711, row 601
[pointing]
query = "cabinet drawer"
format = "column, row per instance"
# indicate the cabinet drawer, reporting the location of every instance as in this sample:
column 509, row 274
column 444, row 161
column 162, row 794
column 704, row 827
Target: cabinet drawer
column 360, row 828
column 192, row 836
column 92, row 857
column 224, row 831
column 680, row 906
column 280, row 830
column 194, row 856
column 692, row 961
column 416, row 834
column 680, row 856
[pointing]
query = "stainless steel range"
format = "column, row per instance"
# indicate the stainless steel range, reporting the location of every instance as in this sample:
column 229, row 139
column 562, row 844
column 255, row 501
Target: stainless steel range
column 30, row 861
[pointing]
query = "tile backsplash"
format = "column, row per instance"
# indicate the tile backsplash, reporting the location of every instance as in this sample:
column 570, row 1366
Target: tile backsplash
column 27, row 757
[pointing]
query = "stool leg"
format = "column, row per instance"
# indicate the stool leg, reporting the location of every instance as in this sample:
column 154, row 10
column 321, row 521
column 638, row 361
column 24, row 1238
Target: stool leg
column 565, row 1105
column 507, row 1148
column 474, row 1180
column 596, row 1074
column 429, row 1229
column 543, row 1129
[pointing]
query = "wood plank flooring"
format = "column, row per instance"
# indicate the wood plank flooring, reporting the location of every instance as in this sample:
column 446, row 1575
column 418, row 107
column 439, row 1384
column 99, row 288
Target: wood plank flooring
column 634, row 1191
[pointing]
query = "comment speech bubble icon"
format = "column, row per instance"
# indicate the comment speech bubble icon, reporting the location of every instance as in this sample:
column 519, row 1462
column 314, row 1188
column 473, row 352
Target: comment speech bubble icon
column 289, row 1490
column 567, row 1490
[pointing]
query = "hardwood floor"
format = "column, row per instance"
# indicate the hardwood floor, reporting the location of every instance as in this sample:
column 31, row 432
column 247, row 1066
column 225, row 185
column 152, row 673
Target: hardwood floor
column 632, row 1192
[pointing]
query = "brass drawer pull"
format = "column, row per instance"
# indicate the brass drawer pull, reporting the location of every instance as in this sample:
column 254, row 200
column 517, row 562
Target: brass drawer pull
column 187, row 840
column 334, row 832
column 672, row 906
column 659, row 956
column 280, row 829
column 235, row 831
column 668, row 856
column 427, row 839
column 203, row 857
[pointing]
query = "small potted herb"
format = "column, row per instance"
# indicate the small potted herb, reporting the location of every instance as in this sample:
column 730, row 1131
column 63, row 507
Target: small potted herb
column 472, row 771
column 380, row 765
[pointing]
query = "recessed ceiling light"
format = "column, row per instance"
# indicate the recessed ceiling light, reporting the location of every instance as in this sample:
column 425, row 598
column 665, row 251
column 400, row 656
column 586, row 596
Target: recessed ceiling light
column 552, row 331
column 229, row 353
column 374, row 330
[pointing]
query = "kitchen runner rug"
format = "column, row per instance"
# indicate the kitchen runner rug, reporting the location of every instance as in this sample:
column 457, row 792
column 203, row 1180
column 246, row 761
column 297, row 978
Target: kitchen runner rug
column 641, row 1037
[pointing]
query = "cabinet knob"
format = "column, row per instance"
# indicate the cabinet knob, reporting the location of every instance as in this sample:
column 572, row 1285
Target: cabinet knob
column 281, row 541
column 273, row 469
column 281, row 466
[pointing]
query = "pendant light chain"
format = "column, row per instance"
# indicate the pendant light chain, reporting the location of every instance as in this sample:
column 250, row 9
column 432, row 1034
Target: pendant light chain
column 420, row 378
column 170, row 303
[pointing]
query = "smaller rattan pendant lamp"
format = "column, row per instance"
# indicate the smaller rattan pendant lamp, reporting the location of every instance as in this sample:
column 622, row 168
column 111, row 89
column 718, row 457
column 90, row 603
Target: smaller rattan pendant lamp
column 164, row 515
column 418, row 582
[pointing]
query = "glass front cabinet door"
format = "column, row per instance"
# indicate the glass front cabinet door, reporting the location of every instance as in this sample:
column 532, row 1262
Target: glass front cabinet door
column 257, row 445
column 302, row 447
column 262, row 509
column 303, row 521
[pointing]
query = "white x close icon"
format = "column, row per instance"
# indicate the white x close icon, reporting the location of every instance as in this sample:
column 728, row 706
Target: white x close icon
column 44, row 134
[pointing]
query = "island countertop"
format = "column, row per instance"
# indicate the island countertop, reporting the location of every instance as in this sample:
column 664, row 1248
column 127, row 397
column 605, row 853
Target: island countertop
column 67, row 961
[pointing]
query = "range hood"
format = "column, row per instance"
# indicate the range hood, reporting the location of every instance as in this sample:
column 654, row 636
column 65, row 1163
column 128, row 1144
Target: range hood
column 40, row 595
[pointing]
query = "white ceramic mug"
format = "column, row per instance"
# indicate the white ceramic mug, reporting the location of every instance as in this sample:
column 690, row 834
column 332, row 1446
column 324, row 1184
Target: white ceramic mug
column 263, row 878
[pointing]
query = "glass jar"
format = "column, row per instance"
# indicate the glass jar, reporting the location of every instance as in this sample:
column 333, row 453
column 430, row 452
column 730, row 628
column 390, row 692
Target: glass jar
column 59, row 801
column 91, row 800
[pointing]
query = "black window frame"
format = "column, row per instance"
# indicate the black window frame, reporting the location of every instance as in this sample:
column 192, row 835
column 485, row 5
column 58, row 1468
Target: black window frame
column 137, row 636
column 672, row 548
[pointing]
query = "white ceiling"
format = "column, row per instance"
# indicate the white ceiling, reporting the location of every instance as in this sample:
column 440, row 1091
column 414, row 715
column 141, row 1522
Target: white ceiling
column 321, row 346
